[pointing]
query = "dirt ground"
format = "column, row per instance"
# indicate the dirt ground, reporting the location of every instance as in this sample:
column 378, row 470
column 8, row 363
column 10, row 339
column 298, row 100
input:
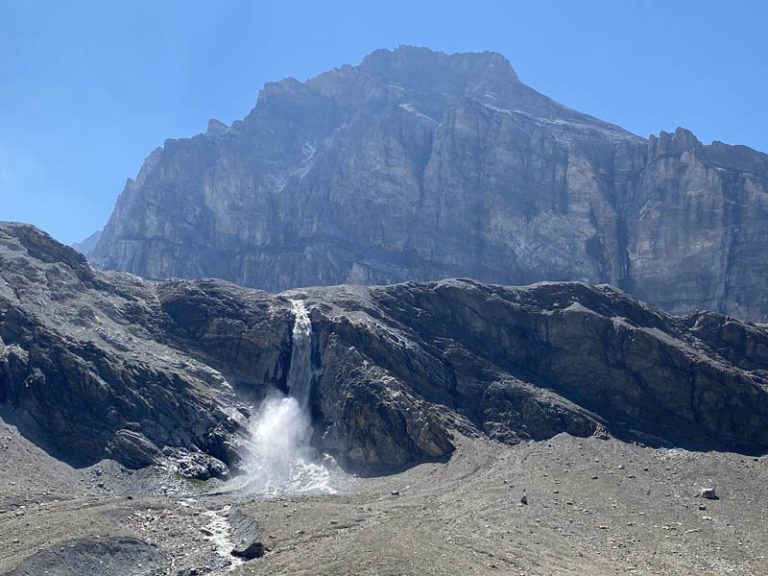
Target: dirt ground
column 594, row 507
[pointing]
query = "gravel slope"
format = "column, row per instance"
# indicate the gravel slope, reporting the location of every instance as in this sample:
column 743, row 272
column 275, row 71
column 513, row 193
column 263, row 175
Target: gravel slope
column 594, row 507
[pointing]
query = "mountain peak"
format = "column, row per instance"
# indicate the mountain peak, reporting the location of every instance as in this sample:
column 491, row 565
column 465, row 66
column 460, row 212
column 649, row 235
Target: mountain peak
column 416, row 164
column 421, row 70
column 429, row 66
column 416, row 57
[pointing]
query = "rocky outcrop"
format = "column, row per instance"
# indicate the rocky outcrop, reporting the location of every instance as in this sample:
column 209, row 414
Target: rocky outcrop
column 529, row 363
column 101, row 365
column 421, row 165
column 107, row 365
column 83, row 365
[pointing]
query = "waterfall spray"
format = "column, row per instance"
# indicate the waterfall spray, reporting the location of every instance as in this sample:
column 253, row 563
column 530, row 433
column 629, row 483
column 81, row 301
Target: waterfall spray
column 279, row 458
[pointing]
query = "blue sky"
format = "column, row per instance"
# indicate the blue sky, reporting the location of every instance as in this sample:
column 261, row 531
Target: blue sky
column 89, row 89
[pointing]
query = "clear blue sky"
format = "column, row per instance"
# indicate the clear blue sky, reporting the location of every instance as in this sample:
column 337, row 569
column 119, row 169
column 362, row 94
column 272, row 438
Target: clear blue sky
column 88, row 89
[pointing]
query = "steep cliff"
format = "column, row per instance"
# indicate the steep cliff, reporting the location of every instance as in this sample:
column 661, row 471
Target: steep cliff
column 421, row 165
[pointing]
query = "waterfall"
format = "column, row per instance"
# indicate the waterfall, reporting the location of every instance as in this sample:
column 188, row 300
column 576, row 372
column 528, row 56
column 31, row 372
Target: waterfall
column 300, row 371
column 278, row 456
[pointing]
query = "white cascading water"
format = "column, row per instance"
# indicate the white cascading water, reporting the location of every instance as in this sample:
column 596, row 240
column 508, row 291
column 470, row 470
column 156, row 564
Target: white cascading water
column 279, row 458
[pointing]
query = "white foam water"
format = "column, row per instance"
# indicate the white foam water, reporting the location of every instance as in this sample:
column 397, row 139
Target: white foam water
column 220, row 530
column 300, row 370
column 278, row 457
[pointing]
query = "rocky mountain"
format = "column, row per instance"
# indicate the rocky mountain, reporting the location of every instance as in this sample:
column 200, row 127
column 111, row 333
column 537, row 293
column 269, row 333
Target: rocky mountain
column 115, row 390
column 98, row 365
column 421, row 165
column 88, row 244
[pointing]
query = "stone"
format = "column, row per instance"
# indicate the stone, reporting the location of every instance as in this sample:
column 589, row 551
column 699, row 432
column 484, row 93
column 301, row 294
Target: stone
column 708, row 493
column 253, row 550
column 135, row 449
column 198, row 465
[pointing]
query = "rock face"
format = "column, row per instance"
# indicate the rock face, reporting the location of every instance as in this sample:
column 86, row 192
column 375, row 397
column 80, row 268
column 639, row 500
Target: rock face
column 420, row 165
column 529, row 363
column 83, row 365
column 104, row 364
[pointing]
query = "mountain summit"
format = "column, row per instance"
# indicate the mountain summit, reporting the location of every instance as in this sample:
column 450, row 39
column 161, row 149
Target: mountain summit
column 422, row 165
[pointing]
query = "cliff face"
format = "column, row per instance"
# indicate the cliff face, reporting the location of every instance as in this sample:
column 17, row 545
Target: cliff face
column 698, row 227
column 421, row 165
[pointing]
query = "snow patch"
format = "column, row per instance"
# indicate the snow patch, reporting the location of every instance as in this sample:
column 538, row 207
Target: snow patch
column 408, row 107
